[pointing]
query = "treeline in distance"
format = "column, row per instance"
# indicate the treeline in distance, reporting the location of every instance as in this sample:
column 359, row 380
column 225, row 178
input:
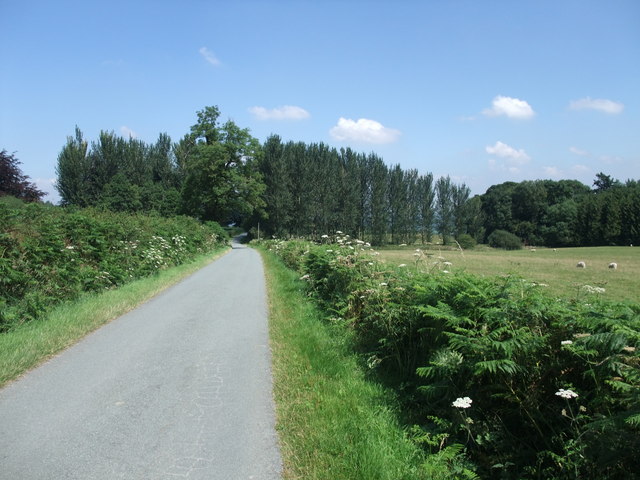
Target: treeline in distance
column 220, row 172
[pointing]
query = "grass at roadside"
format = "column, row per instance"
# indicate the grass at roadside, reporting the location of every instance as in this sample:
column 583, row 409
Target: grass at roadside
column 30, row 344
column 332, row 422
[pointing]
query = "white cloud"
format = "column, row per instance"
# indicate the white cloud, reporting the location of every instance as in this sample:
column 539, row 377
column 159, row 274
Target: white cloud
column 210, row 57
column 599, row 104
column 578, row 151
column 286, row 112
column 363, row 130
column 513, row 156
column 509, row 107
column 127, row 132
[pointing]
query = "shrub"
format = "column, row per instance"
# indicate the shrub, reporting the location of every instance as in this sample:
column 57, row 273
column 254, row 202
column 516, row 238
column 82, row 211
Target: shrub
column 504, row 239
column 466, row 241
column 50, row 254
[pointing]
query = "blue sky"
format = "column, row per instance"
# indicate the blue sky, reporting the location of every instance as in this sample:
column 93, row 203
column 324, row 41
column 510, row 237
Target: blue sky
column 483, row 91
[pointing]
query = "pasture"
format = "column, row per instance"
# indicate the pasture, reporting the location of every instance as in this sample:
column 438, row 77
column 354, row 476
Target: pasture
column 555, row 269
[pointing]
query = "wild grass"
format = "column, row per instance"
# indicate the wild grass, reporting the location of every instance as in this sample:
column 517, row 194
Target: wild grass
column 30, row 344
column 332, row 422
column 553, row 267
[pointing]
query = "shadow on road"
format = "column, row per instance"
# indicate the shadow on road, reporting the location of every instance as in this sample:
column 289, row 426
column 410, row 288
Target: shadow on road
column 239, row 241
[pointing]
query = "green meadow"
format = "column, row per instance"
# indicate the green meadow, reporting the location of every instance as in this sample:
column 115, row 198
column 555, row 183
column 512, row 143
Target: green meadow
column 555, row 269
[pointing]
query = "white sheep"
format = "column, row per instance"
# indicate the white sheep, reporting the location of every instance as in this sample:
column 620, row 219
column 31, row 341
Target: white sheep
column 613, row 265
column 581, row 265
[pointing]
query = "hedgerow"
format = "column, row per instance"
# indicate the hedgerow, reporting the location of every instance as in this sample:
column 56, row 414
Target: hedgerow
column 49, row 254
column 526, row 385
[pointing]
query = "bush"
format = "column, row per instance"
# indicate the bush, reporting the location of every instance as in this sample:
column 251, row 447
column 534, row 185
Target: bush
column 466, row 241
column 504, row 239
column 49, row 254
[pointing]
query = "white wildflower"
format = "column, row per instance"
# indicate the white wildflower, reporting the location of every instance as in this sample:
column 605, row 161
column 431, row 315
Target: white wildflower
column 464, row 402
column 402, row 265
column 566, row 342
column 305, row 277
column 383, row 284
column 325, row 236
column 568, row 394
column 590, row 289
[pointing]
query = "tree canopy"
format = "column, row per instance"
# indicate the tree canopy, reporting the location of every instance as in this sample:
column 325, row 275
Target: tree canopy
column 15, row 183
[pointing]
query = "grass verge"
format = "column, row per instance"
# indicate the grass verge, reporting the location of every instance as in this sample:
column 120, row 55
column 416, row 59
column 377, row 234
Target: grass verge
column 332, row 422
column 28, row 345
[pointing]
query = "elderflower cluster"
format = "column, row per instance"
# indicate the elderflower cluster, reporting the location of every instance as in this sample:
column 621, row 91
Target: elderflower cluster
column 590, row 289
column 568, row 394
column 463, row 402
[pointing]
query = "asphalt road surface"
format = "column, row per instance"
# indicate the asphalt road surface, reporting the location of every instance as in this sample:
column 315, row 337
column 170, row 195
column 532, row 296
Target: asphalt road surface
column 179, row 388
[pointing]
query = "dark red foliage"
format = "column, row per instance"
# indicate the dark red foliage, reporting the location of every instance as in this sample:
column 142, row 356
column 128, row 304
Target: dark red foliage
column 14, row 182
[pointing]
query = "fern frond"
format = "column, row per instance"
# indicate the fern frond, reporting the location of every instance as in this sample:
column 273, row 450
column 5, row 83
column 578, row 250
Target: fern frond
column 494, row 366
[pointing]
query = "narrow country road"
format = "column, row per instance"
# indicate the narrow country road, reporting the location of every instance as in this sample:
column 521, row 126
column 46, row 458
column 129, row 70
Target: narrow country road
column 179, row 388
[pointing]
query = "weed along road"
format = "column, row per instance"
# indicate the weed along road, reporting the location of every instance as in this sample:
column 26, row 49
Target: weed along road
column 178, row 388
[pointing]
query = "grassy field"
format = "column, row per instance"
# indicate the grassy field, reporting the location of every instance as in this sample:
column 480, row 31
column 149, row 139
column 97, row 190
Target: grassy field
column 555, row 268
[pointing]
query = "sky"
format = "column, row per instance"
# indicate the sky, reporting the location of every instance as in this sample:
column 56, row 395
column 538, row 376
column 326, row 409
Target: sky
column 485, row 91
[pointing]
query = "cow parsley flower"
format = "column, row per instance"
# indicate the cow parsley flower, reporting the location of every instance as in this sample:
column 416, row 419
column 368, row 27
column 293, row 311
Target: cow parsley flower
column 590, row 289
column 463, row 402
column 568, row 394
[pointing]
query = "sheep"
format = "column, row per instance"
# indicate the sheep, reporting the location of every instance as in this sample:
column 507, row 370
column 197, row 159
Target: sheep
column 581, row 265
column 613, row 265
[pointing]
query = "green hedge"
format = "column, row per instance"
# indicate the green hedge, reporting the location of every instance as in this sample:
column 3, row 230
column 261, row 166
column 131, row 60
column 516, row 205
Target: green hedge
column 543, row 387
column 50, row 254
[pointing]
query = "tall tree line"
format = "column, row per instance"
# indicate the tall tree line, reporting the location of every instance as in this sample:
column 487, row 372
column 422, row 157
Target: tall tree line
column 565, row 212
column 313, row 189
column 210, row 173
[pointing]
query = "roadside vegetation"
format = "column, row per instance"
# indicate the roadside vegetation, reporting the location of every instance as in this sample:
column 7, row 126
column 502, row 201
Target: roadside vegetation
column 51, row 255
column 492, row 372
column 333, row 421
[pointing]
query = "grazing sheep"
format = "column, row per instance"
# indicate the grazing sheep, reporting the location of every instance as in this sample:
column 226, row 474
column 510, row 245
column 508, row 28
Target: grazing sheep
column 581, row 265
column 613, row 265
